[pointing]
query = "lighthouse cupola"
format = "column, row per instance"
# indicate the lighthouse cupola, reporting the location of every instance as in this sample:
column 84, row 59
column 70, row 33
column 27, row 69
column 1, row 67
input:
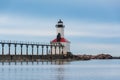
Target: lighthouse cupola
column 60, row 28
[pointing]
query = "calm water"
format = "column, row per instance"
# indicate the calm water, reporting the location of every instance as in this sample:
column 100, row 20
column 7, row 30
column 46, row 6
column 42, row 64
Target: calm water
column 75, row 70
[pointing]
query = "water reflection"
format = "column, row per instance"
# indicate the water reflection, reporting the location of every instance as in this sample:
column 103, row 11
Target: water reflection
column 33, row 70
column 63, row 70
column 56, row 62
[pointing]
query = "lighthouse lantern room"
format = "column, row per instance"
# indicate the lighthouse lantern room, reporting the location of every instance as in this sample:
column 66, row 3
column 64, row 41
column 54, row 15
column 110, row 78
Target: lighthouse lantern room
column 60, row 39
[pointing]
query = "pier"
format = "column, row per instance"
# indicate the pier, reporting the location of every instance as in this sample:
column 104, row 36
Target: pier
column 58, row 48
column 28, row 51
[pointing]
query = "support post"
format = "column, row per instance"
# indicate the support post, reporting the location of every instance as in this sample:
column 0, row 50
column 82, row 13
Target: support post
column 32, row 49
column 9, row 45
column 51, row 50
column 42, row 50
column 3, row 52
column 59, row 50
column 21, row 48
column 47, row 50
column 37, row 50
column 2, row 48
column 32, row 52
column 27, row 53
column 15, row 49
column 26, row 49
column 55, row 50
column 21, row 52
column 15, row 52
column 62, row 50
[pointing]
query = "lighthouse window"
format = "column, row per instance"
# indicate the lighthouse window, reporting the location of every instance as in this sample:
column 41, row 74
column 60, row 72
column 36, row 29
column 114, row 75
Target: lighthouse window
column 58, row 37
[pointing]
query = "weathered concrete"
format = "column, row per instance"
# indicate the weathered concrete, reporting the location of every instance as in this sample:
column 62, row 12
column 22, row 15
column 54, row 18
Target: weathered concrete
column 28, row 57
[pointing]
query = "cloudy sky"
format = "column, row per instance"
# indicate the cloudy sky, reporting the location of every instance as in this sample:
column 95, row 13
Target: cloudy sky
column 92, row 26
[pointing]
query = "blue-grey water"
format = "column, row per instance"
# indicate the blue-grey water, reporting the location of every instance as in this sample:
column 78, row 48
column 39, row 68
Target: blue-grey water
column 74, row 70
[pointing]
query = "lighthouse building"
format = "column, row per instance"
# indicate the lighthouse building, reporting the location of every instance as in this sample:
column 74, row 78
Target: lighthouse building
column 60, row 39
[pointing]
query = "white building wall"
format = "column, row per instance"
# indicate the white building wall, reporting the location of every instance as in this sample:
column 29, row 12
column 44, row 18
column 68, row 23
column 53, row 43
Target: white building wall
column 61, row 31
column 65, row 49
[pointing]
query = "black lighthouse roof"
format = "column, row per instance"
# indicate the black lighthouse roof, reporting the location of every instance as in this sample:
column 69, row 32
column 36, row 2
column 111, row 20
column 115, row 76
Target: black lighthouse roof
column 60, row 21
column 60, row 24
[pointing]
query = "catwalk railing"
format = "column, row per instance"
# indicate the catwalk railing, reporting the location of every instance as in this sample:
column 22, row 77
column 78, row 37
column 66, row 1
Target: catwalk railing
column 20, row 51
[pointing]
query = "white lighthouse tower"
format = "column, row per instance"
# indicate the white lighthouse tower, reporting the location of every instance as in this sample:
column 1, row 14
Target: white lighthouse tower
column 61, row 39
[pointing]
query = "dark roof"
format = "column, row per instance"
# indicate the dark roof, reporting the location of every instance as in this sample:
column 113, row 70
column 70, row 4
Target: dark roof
column 60, row 21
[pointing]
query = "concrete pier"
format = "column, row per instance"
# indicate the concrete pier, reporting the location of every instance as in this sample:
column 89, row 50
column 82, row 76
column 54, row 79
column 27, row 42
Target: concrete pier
column 13, row 55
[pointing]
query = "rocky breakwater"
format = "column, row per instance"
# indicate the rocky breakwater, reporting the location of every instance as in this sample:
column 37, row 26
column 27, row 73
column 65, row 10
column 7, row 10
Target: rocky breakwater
column 88, row 57
column 102, row 56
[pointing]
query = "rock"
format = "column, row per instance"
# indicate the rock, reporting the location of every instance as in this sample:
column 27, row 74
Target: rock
column 103, row 56
column 83, row 57
column 88, row 57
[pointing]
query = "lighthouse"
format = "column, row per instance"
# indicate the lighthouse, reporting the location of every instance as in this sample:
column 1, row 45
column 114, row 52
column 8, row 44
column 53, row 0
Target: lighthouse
column 60, row 39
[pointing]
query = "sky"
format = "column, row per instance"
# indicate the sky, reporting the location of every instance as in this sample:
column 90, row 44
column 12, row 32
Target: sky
column 92, row 26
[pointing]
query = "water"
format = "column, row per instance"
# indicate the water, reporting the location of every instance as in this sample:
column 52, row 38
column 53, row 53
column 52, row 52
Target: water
column 74, row 70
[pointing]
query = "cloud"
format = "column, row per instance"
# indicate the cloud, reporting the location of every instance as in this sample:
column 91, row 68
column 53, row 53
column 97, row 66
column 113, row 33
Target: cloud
column 22, row 21
column 93, row 29
column 99, row 45
column 26, row 26
column 26, row 32
column 95, row 48
column 92, row 34
column 97, row 10
column 12, row 25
